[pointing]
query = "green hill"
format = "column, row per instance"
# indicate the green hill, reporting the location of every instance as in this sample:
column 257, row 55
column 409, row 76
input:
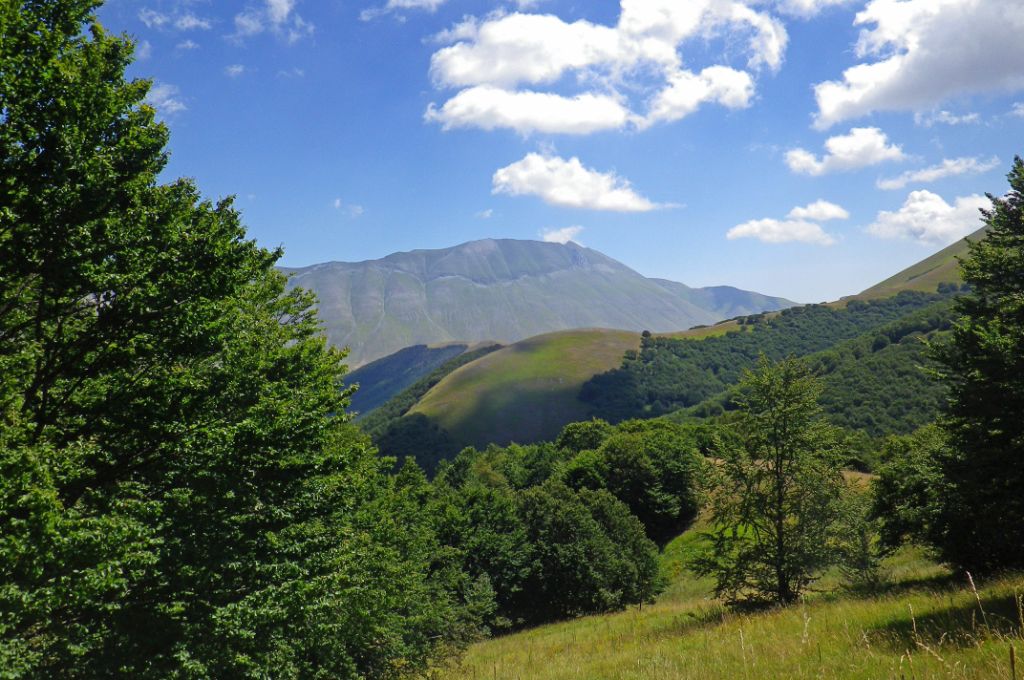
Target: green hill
column 382, row 379
column 524, row 392
column 527, row 391
column 926, row 275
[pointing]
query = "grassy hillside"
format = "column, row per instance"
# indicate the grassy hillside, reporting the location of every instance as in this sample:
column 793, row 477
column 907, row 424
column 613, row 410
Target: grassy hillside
column 927, row 625
column 526, row 391
column 926, row 275
column 382, row 379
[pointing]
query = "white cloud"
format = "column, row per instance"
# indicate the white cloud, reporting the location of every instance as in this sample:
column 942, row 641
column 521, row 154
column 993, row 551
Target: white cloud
column 945, row 118
column 949, row 167
column 153, row 18
column 398, row 5
column 1018, row 110
column 234, row 70
column 485, row 214
column 781, row 231
column 353, row 210
column 186, row 45
column 526, row 112
column 805, row 9
column 819, row 211
column 568, row 183
column 278, row 16
column 189, row 22
column 636, row 64
column 165, row 98
column 563, row 235
column 927, row 218
column 687, row 91
column 800, row 225
column 926, row 52
column 859, row 148
column 143, row 50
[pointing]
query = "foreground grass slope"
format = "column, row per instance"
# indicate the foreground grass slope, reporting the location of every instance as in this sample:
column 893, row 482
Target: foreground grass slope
column 927, row 625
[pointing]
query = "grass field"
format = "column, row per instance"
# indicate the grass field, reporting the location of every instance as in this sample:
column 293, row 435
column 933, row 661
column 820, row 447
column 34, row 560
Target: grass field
column 927, row 624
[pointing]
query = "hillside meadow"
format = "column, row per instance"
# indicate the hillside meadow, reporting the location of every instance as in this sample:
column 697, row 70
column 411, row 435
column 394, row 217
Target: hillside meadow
column 925, row 623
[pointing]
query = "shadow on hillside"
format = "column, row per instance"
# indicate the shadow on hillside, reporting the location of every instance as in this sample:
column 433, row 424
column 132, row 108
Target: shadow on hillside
column 959, row 625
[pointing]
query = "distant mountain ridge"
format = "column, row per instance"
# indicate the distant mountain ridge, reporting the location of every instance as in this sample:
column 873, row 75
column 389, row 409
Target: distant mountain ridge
column 503, row 290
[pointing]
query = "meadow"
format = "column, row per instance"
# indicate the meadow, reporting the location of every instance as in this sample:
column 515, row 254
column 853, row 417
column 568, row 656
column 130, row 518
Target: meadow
column 925, row 623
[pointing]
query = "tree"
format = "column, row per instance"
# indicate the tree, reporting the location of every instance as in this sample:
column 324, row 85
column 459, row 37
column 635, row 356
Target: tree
column 982, row 515
column 181, row 493
column 775, row 497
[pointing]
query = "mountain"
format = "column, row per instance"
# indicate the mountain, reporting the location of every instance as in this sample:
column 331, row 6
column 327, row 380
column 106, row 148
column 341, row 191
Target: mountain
column 866, row 345
column 501, row 290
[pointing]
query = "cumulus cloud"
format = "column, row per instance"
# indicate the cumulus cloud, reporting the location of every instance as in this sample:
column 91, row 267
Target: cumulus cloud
column 859, row 148
column 143, row 50
column 800, row 225
column 563, row 235
column 187, row 45
column 1018, row 110
column 525, row 112
column 634, row 69
column 165, row 98
column 485, row 214
column 234, row 70
column 567, row 183
column 819, row 211
column 927, row 218
column 919, row 53
column 949, row 167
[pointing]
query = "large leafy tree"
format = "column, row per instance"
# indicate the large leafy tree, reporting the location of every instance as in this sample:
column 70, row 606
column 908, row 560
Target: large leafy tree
column 775, row 497
column 981, row 522
column 180, row 492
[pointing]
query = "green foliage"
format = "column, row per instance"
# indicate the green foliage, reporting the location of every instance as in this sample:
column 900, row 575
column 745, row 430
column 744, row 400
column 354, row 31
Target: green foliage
column 856, row 537
column 774, row 500
column 547, row 551
column 180, row 492
column 651, row 466
column 909, row 490
column 670, row 374
column 982, row 518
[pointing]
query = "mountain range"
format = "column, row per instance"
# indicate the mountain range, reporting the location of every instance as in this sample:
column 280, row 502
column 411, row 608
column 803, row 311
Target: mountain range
column 502, row 290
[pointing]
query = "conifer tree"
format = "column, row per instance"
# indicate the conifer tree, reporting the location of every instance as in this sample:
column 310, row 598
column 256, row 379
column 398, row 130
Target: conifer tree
column 981, row 522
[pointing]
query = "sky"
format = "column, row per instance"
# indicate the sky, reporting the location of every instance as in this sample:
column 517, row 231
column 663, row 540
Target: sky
column 801, row 148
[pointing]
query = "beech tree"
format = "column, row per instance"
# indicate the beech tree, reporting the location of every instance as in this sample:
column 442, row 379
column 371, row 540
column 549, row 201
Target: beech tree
column 775, row 497
column 181, row 493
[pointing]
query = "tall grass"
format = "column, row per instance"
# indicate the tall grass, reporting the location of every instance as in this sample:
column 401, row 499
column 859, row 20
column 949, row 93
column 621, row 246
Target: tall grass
column 927, row 624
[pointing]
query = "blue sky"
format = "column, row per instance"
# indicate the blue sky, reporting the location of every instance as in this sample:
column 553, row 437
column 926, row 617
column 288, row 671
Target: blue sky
column 803, row 148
